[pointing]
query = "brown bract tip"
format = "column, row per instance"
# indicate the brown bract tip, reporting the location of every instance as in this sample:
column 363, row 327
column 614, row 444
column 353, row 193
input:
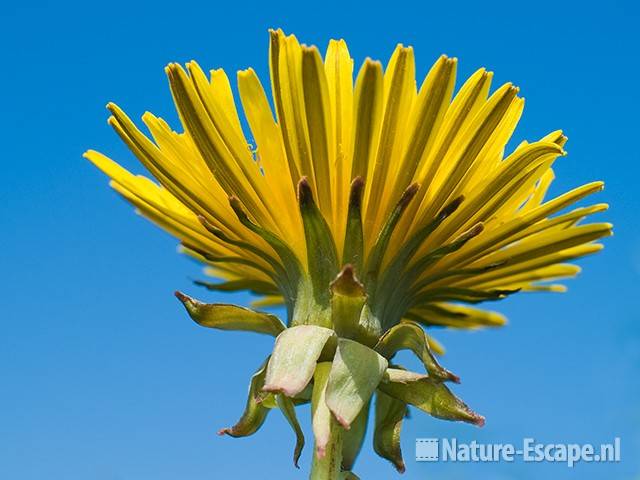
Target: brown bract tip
column 479, row 420
column 208, row 226
column 236, row 206
column 475, row 230
column 212, row 229
column 450, row 207
column 234, row 202
column 181, row 296
column 348, row 271
column 305, row 195
column 463, row 238
column 355, row 195
column 453, row 377
column 346, row 283
column 408, row 194
column 231, row 431
column 191, row 304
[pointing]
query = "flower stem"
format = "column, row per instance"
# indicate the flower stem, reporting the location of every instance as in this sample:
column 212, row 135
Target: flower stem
column 328, row 467
column 327, row 451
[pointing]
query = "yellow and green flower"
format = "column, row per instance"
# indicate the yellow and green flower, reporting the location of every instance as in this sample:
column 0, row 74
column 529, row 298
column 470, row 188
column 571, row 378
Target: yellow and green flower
column 372, row 210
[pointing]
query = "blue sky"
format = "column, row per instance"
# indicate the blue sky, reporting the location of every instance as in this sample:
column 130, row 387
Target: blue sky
column 102, row 374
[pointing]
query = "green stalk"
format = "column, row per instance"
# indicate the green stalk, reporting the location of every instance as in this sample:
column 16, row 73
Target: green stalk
column 327, row 452
column 328, row 467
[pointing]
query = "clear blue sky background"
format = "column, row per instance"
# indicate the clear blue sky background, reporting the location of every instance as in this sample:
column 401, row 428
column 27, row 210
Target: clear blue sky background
column 103, row 377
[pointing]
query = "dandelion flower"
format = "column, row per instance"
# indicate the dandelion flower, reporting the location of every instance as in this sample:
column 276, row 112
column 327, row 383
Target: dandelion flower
column 371, row 209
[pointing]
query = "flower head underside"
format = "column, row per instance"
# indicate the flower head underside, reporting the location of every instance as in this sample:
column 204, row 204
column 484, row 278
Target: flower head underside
column 370, row 208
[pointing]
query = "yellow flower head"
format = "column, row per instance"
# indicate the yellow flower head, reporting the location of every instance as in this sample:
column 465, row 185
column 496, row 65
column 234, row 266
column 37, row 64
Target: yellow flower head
column 369, row 208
